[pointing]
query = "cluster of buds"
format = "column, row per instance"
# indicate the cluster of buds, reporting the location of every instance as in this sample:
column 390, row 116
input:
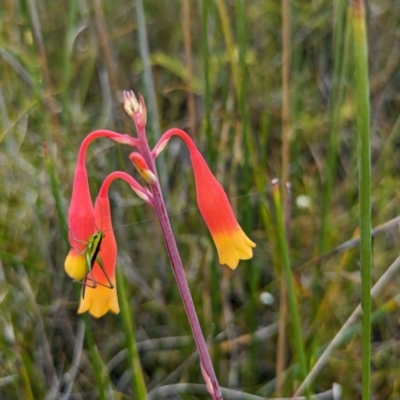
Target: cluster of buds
column 92, row 258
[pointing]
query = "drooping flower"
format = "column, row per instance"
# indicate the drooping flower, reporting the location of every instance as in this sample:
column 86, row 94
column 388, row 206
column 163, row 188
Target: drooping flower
column 101, row 298
column 81, row 220
column 231, row 242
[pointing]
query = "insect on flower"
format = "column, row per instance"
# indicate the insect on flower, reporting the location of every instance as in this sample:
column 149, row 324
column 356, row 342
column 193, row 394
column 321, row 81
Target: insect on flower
column 94, row 266
column 82, row 272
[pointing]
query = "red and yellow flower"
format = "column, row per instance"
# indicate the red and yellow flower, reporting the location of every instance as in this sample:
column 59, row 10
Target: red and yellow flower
column 82, row 222
column 103, row 297
column 231, row 242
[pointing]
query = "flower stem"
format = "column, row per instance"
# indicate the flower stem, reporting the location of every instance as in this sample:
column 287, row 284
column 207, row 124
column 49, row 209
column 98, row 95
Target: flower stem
column 177, row 267
column 97, row 362
column 128, row 321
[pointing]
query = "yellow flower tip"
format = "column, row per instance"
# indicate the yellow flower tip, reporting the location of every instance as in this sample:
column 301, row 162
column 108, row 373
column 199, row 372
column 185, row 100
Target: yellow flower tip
column 75, row 265
column 233, row 247
column 99, row 300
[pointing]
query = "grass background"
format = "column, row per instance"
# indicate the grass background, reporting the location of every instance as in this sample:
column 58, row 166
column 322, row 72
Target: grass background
column 63, row 66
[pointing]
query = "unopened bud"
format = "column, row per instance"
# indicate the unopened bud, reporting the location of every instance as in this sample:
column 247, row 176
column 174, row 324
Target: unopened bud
column 140, row 164
column 131, row 104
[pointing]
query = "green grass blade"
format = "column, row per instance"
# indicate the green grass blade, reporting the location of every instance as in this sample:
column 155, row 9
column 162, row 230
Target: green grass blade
column 128, row 322
column 151, row 102
column 245, row 133
column 56, row 193
column 293, row 306
column 363, row 128
column 206, row 75
column 334, row 115
column 97, row 363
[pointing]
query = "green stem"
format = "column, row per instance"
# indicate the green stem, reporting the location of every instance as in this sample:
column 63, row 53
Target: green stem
column 335, row 106
column 56, row 193
column 206, row 71
column 96, row 361
column 128, row 321
column 363, row 128
column 247, row 209
column 230, row 44
column 149, row 86
column 293, row 306
column 334, row 115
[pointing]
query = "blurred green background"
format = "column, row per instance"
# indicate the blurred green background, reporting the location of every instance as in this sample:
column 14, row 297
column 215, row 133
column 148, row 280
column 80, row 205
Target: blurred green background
column 215, row 69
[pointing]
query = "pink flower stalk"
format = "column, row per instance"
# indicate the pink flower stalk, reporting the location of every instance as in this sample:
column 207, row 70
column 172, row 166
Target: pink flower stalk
column 231, row 242
column 102, row 298
column 137, row 110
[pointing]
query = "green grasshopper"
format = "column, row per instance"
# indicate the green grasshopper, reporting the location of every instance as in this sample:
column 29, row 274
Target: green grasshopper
column 91, row 254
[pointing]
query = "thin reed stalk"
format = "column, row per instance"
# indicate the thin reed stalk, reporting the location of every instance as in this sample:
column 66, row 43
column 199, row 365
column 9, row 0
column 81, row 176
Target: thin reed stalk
column 283, row 306
column 229, row 43
column 335, row 104
column 293, row 306
column 68, row 45
column 97, row 363
column 330, row 167
column 149, row 89
column 154, row 122
column 104, row 43
column 206, row 73
column 56, row 193
column 363, row 128
column 49, row 99
column 246, row 138
column 285, row 157
column 286, row 119
column 128, row 322
column 187, row 41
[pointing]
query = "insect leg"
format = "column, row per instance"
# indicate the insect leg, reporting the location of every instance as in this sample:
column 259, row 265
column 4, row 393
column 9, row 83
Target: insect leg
column 89, row 274
column 101, row 265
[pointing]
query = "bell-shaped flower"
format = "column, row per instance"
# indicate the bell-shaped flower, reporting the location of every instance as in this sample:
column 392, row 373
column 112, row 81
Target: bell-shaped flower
column 100, row 292
column 231, row 242
column 81, row 220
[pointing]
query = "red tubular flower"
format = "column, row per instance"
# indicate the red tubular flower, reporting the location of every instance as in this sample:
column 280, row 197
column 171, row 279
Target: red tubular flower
column 81, row 220
column 231, row 242
column 103, row 297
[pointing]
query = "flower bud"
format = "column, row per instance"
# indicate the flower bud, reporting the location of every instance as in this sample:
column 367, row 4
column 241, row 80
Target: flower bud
column 142, row 167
